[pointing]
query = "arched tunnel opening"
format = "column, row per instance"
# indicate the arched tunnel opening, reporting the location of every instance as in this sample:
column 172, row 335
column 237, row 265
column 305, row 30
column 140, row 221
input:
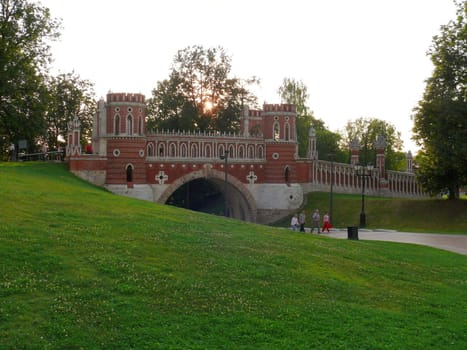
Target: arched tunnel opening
column 211, row 196
column 199, row 195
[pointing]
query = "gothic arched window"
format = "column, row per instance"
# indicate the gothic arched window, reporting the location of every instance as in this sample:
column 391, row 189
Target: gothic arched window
column 117, row 125
column 207, row 151
column 194, row 151
column 150, row 150
column 173, row 150
column 231, row 152
column 129, row 125
column 287, row 174
column 260, row 152
column 161, row 150
column 183, row 150
column 140, row 125
column 287, row 131
column 241, row 152
column 221, row 150
column 129, row 173
column 251, row 152
column 276, row 131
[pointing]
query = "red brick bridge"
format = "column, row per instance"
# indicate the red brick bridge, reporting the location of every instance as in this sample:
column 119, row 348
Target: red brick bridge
column 258, row 171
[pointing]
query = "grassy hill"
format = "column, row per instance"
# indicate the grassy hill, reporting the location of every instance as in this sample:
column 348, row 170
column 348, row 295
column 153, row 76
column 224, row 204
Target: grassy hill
column 81, row 268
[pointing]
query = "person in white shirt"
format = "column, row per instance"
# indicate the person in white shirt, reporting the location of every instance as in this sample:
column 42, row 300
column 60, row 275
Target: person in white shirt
column 294, row 223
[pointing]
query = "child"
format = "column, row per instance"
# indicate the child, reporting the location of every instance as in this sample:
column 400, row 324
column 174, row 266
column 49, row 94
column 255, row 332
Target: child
column 326, row 224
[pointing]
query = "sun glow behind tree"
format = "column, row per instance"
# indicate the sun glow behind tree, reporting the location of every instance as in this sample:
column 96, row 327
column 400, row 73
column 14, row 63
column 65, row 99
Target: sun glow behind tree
column 200, row 93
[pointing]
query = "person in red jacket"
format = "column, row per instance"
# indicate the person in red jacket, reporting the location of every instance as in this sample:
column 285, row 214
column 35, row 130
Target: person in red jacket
column 88, row 148
column 326, row 223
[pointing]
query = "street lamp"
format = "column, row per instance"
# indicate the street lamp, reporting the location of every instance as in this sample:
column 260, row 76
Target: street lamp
column 225, row 157
column 363, row 171
column 331, row 156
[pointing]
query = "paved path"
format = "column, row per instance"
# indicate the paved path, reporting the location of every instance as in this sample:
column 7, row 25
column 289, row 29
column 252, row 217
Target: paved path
column 453, row 243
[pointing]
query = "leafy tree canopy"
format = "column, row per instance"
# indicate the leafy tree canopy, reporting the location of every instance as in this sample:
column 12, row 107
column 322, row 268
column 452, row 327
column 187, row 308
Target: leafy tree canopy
column 25, row 30
column 440, row 118
column 69, row 96
column 366, row 130
column 200, row 93
column 296, row 92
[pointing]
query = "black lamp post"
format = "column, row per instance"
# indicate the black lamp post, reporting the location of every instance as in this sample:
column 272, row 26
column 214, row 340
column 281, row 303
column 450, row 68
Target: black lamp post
column 363, row 171
column 225, row 157
column 331, row 156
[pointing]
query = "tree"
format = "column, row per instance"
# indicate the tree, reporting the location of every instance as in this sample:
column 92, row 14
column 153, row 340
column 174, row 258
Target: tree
column 25, row 29
column 366, row 130
column 327, row 144
column 69, row 96
column 200, row 94
column 440, row 118
column 296, row 93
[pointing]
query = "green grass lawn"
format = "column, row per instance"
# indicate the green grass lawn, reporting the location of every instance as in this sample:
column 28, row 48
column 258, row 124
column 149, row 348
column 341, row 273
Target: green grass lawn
column 409, row 215
column 81, row 268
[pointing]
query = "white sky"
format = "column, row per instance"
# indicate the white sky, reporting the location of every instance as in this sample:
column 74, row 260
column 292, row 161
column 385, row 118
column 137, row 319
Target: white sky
column 358, row 58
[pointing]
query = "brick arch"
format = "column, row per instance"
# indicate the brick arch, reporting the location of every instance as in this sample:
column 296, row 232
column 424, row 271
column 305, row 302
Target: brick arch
column 217, row 177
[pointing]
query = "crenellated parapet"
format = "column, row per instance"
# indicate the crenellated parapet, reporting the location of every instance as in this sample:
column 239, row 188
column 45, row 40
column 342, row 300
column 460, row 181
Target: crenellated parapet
column 252, row 122
column 123, row 114
column 279, row 123
column 125, row 97
column 254, row 113
column 279, row 108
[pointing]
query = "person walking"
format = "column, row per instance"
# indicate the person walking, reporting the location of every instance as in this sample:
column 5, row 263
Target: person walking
column 326, row 223
column 294, row 223
column 302, row 220
column 315, row 218
column 11, row 152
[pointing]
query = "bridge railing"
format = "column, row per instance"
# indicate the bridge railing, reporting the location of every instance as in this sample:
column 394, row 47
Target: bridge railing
column 42, row 156
column 404, row 183
column 219, row 134
column 345, row 180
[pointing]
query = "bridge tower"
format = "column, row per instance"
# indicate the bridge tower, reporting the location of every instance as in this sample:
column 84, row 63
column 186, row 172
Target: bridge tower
column 251, row 123
column 121, row 131
column 279, row 122
column 280, row 135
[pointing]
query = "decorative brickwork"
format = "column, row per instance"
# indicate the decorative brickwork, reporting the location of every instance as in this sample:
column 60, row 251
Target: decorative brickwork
column 265, row 175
